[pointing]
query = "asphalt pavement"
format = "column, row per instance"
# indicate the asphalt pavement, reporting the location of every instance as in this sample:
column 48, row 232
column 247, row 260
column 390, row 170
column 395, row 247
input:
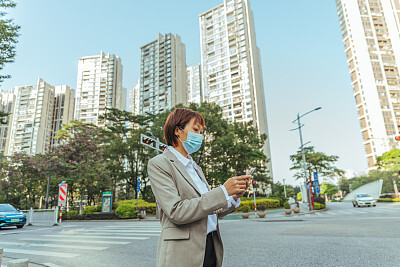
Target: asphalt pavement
column 339, row 236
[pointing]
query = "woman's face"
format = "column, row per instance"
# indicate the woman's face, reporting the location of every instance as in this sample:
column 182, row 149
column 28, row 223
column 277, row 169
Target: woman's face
column 191, row 126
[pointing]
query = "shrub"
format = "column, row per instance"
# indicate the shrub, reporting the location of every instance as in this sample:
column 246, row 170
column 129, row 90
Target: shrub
column 261, row 207
column 150, row 207
column 388, row 199
column 89, row 210
column 319, row 200
column 286, row 205
column 268, row 203
column 319, row 206
column 245, row 209
column 93, row 216
column 71, row 213
column 126, row 211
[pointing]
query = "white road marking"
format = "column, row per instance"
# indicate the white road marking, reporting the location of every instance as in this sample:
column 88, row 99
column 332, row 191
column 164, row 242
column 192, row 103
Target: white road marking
column 41, row 253
column 77, row 241
column 123, row 231
column 52, row 245
column 98, row 236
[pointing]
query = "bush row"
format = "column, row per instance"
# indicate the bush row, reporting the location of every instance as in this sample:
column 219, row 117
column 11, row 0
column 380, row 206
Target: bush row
column 268, row 203
column 388, row 199
column 150, row 207
column 91, row 216
column 319, row 206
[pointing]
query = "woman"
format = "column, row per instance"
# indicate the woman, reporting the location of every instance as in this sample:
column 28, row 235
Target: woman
column 189, row 208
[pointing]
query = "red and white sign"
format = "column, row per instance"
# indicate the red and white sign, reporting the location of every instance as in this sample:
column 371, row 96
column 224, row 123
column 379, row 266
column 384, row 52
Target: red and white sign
column 62, row 195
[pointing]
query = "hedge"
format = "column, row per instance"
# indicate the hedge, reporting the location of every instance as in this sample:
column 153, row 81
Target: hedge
column 268, row 203
column 91, row 216
column 150, row 207
column 126, row 211
column 319, row 206
column 89, row 209
column 388, row 199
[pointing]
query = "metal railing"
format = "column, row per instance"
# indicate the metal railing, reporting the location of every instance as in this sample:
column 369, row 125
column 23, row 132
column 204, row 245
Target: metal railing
column 41, row 216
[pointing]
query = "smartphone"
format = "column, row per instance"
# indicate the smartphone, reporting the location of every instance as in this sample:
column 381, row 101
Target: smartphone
column 251, row 171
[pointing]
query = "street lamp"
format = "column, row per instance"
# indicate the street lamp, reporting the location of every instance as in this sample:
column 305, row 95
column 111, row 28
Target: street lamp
column 299, row 125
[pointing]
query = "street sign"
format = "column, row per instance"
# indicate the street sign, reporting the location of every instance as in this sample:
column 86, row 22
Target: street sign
column 62, row 194
column 316, row 184
column 138, row 185
column 106, row 202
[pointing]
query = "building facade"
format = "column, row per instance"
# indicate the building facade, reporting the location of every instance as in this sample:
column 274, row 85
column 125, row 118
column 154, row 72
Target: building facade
column 162, row 74
column 231, row 65
column 99, row 86
column 6, row 105
column 63, row 110
column 370, row 31
column 194, row 84
column 134, row 99
column 38, row 112
column 31, row 119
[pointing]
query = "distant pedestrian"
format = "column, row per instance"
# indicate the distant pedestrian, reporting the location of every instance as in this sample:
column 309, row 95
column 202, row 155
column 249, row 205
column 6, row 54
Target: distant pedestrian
column 189, row 208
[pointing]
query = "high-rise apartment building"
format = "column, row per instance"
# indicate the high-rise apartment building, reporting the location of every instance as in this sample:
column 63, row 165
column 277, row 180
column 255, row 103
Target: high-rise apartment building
column 37, row 113
column 134, row 99
column 31, row 120
column 194, row 84
column 231, row 65
column 6, row 105
column 162, row 74
column 99, row 86
column 63, row 109
column 370, row 31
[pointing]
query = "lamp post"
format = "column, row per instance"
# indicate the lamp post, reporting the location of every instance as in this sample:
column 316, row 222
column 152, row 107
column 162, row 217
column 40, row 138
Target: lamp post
column 299, row 125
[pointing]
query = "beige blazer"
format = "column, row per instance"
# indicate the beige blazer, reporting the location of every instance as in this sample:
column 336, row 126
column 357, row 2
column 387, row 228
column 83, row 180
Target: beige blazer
column 183, row 213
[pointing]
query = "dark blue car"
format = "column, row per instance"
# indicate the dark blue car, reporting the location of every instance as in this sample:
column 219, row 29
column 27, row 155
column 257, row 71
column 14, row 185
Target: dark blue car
column 10, row 216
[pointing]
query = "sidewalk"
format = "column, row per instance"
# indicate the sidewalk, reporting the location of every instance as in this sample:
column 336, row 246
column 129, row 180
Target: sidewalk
column 5, row 261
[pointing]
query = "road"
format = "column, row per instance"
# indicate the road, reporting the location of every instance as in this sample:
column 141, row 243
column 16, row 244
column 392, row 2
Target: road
column 341, row 236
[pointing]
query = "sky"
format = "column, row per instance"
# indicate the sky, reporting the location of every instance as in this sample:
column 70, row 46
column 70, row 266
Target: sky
column 302, row 56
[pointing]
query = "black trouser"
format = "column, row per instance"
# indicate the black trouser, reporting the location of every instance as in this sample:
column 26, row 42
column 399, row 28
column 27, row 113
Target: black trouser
column 210, row 259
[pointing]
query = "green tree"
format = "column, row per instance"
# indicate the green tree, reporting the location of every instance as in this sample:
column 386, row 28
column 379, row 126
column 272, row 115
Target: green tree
column 328, row 189
column 315, row 162
column 8, row 37
column 123, row 143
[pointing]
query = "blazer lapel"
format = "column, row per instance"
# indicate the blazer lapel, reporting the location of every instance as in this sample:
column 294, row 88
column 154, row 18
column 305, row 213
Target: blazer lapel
column 174, row 160
column 201, row 175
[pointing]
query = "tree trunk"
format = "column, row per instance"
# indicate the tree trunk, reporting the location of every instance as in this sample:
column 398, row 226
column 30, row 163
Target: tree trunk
column 81, row 204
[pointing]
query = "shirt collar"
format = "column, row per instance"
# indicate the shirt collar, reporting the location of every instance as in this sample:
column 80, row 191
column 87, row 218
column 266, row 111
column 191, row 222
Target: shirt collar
column 184, row 160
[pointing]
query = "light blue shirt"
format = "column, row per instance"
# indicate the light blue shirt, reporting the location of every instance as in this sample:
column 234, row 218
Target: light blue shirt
column 191, row 168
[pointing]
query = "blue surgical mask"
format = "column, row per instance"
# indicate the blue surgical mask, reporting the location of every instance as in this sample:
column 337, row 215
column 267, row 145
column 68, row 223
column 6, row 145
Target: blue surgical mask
column 193, row 142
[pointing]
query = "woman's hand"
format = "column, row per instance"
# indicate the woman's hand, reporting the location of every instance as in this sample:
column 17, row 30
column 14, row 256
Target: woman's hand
column 237, row 185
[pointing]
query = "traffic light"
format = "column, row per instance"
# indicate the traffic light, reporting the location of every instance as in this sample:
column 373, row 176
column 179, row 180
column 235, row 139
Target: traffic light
column 254, row 182
column 162, row 147
column 397, row 138
column 147, row 141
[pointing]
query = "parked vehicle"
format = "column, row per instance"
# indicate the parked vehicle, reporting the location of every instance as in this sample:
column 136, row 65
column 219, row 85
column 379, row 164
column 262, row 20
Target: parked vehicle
column 10, row 216
column 363, row 200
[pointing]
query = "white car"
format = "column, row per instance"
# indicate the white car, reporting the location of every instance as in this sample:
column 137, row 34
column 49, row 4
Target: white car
column 363, row 200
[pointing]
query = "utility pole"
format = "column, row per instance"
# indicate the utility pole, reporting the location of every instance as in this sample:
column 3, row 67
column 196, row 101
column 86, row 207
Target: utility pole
column 299, row 125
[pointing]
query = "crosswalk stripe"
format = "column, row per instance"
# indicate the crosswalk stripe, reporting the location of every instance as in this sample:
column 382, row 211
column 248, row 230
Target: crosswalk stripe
column 118, row 234
column 98, row 237
column 53, row 245
column 41, row 253
column 123, row 231
column 77, row 241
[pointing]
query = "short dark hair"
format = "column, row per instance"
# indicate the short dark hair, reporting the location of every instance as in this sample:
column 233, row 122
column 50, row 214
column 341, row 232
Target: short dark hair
column 179, row 118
